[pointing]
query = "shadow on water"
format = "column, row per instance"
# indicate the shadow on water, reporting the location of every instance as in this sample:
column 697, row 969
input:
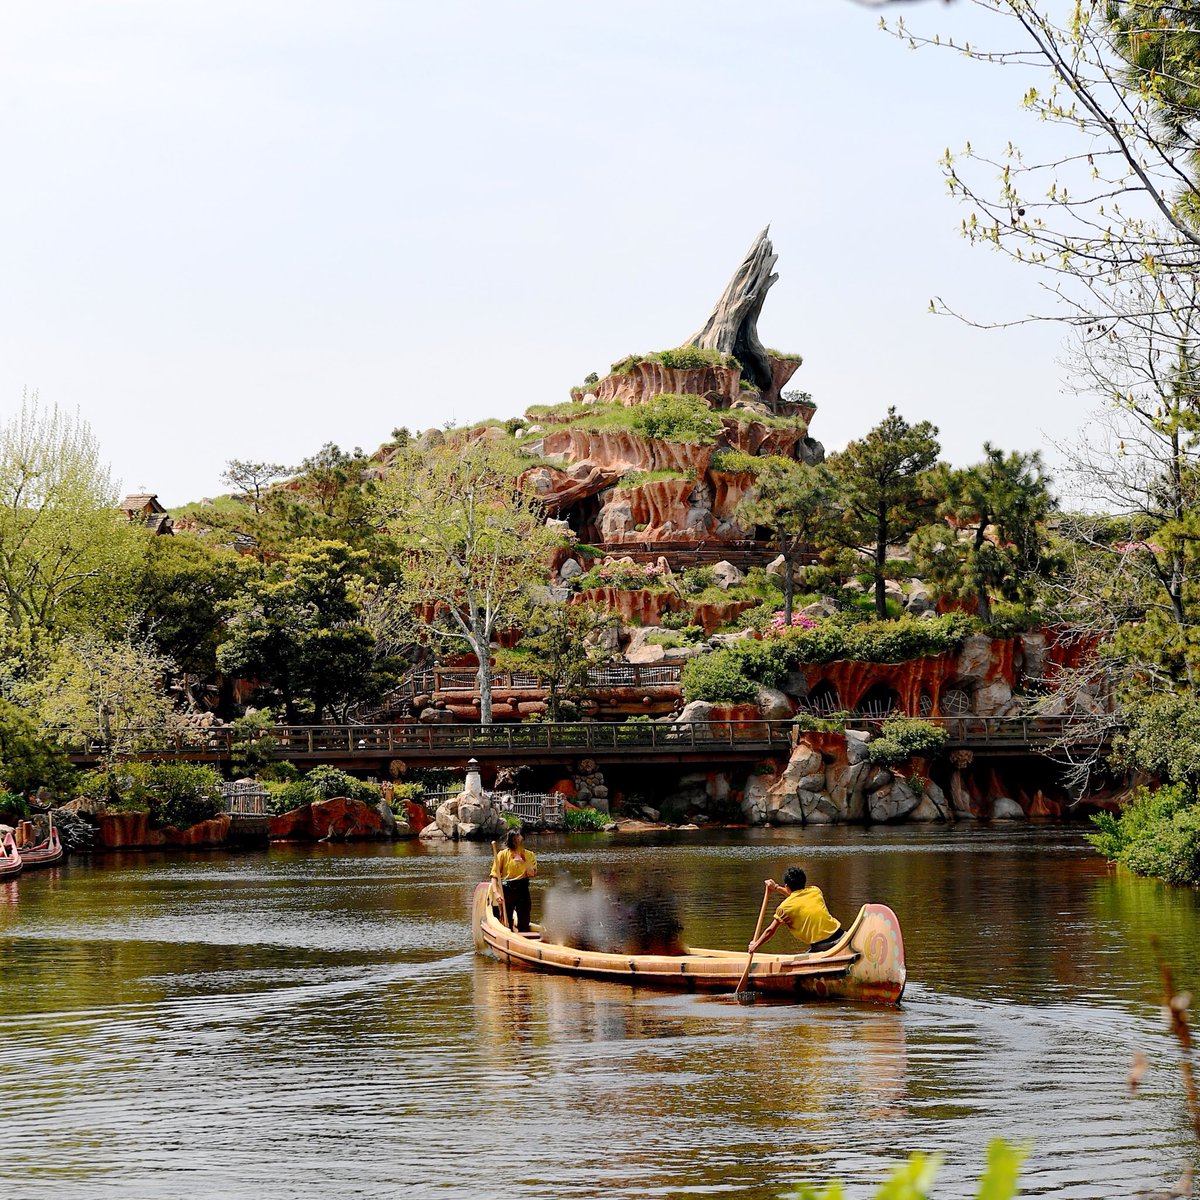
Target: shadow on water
column 313, row 1022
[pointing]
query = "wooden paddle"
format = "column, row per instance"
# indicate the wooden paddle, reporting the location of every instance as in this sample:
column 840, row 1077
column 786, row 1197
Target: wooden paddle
column 500, row 889
column 762, row 912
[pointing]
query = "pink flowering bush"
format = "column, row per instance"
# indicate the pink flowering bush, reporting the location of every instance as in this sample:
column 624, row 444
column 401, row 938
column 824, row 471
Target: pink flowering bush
column 778, row 625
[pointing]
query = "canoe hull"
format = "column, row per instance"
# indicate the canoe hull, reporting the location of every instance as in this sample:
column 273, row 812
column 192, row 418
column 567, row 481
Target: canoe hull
column 10, row 856
column 867, row 964
column 44, row 854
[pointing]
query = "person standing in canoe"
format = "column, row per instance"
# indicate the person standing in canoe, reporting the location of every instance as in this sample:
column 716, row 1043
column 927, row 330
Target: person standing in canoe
column 804, row 913
column 512, row 869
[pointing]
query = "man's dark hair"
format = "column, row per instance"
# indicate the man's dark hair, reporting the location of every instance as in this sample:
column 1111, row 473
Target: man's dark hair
column 795, row 879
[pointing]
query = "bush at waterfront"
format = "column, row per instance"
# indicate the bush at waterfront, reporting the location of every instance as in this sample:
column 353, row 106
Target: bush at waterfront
column 321, row 783
column 584, row 820
column 1157, row 833
column 178, row 794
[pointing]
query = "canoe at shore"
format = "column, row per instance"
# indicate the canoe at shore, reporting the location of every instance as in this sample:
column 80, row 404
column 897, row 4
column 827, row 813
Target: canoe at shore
column 10, row 856
column 43, row 854
column 866, row 963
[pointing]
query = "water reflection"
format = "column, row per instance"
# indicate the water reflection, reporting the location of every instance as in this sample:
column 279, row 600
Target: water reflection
column 239, row 1023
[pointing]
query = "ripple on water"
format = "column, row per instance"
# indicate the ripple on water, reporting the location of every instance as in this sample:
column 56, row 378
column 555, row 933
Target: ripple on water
column 262, row 1026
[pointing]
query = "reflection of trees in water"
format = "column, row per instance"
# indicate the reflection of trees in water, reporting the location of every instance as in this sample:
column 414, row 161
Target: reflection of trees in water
column 1132, row 909
column 791, row 1063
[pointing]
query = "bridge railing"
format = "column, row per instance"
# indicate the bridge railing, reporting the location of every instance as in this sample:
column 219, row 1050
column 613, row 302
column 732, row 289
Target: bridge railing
column 1032, row 731
column 377, row 741
column 464, row 679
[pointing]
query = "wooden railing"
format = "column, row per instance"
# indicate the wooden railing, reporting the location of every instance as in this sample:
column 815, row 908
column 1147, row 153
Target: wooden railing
column 584, row 738
column 465, row 679
column 1034, row 733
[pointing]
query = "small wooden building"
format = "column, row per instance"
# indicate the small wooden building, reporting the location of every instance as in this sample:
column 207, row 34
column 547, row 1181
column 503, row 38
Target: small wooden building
column 145, row 508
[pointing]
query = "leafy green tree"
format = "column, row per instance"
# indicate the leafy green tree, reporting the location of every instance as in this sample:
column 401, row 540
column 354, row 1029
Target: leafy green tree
column 1131, row 576
column 28, row 759
column 881, row 480
column 296, row 630
column 329, row 497
column 67, row 556
column 474, row 547
column 1120, row 193
column 995, row 540
column 796, row 503
column 560, row 643
column 182, row 597
column 106, row 694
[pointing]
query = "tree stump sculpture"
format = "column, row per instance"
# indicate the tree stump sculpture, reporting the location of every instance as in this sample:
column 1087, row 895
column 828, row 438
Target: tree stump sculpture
column 732, row 326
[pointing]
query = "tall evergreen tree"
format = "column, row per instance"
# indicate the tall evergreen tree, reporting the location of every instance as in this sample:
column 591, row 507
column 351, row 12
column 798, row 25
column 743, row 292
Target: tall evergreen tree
column 993, row 542
column 881, row 479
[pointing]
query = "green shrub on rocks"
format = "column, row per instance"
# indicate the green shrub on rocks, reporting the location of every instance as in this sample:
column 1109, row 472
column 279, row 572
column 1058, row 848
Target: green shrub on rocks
column 902, row 738
column 719, row 677
column 323, row 783
column 328, row 781
column 675, row 419
column 739, row 667
column 284, row 797
column 681, row 358
column 178, row 794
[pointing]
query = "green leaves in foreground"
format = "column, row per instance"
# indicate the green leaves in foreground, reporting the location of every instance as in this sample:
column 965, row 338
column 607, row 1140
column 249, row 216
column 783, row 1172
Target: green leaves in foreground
column 914, row 1180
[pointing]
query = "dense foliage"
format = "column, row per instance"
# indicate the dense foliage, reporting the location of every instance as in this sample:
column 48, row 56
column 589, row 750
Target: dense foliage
column 902, row 738
column 676, row 419
column 731, row 673
column 1156, row 833
column 177, row 794
column 584, row 820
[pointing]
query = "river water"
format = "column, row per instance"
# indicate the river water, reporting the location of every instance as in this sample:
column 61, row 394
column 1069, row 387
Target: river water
column 313, row 1022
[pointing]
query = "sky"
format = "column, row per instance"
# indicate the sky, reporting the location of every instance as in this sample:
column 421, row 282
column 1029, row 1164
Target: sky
column 242, row 230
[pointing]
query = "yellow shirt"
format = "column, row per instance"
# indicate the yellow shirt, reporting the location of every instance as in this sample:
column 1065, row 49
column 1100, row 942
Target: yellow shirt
column 508, row 866
column 805, row 915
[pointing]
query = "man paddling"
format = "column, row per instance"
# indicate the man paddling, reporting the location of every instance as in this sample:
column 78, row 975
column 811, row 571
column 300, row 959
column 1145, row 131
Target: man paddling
column 804, row 913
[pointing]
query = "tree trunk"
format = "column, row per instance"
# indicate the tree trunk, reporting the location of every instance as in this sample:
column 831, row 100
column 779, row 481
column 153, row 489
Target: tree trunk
column 881, row 533
column 981, row 592
column 732, row 326
column 985, row 604
column 789, row 586
column 483, row 651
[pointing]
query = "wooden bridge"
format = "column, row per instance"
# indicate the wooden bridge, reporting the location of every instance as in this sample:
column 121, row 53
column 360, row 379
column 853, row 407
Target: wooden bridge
column 372, row 747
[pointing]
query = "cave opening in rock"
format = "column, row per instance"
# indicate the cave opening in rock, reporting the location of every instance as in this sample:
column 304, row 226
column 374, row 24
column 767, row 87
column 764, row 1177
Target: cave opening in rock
column 584, row 518
column 823, row 700
column 879, row 701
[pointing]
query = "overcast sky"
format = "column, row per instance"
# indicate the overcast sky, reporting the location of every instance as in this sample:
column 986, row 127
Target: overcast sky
column 245, row 229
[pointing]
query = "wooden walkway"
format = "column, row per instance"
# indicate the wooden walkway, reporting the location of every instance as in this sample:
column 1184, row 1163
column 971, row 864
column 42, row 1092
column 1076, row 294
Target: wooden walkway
column 369, row 747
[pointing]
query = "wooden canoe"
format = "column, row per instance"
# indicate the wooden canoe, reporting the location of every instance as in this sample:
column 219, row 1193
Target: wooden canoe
column 44, row 854
column 10, row 856
column 866, row 963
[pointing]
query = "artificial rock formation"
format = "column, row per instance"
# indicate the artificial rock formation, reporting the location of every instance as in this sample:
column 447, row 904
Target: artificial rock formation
column 732, row 326
column 583, row 477
column 829, row 779
column 338, row 819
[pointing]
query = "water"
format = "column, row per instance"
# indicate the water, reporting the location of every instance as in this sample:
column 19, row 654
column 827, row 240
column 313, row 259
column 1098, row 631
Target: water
column 313, row 1022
